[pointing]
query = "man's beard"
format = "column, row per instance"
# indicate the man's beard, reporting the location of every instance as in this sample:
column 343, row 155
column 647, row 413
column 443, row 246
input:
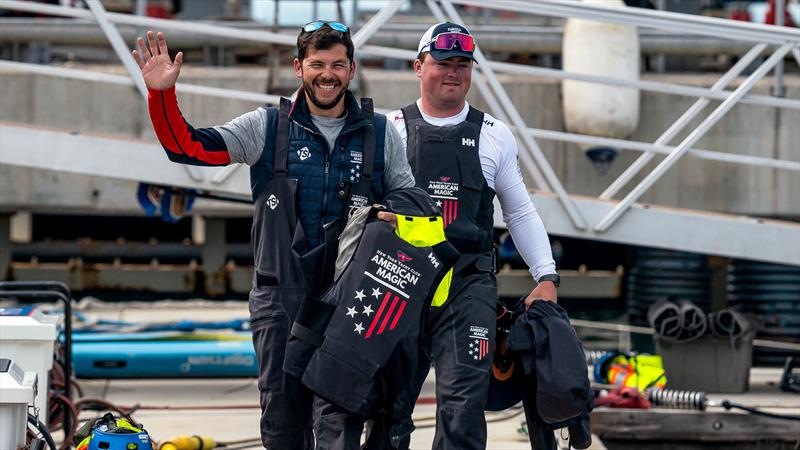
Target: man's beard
column 309, row 88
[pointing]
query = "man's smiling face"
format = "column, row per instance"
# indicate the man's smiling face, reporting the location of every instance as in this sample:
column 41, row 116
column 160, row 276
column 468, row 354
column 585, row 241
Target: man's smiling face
column 446, row 82
column 326, row 75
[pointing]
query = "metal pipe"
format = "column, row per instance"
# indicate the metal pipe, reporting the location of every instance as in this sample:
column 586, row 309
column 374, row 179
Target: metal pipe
column 224, row 173
column 644, row 18
column 710, row 155
column 780, row 10
column 141, row 7
column 505, row 38
column 376, row 22
column 525, row 161
column 681, row 123
column 129, row 250
column 652, row 86
column 624, row 328
column 566, row 201
column 233, row 35
column 690, row 140
column 118, row 45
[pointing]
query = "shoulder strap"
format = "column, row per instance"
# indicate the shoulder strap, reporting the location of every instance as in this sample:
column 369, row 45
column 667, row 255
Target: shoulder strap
column 411, row 112
column 368, row 113
column 281, row 161
column 447, row 253
column 475, row 116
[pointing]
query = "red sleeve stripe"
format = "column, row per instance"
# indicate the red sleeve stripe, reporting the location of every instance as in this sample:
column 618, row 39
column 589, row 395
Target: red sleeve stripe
column 177, row 136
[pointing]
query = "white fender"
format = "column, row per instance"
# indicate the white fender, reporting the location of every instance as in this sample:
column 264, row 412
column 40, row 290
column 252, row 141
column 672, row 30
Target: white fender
column 606, row 49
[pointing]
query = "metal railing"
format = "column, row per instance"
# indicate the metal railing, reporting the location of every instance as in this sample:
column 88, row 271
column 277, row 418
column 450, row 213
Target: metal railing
column 780, row 41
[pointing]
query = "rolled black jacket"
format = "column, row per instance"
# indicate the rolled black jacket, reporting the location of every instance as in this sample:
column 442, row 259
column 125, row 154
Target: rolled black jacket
column 557, row 391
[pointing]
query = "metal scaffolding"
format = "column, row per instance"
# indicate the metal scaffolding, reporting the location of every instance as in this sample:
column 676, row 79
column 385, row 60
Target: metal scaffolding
column 601, row 217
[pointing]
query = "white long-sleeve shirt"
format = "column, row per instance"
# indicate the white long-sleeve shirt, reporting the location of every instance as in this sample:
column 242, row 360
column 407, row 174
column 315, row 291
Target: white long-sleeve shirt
column 498, row 155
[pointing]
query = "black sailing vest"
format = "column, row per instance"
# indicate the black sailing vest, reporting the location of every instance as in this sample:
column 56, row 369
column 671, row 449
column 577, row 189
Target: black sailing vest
column 446, row 164
column 358, row 345
column 282, row 256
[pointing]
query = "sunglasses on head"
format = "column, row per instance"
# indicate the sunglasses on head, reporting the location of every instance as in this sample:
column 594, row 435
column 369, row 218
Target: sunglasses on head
column 317, row 24
column 446, row 41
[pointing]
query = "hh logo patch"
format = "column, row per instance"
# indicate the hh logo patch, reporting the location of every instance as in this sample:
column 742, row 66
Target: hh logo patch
column 304, row 153
column 468, row 142
column 272, row 201
column 432, row 258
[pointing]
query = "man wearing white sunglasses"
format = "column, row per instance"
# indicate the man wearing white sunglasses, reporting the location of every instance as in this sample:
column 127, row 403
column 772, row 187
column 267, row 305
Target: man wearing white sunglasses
column 463, row 157
column 310, row 161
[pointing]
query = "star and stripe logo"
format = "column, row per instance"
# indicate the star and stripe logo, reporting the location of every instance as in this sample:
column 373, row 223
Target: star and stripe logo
column 479, row 348
column 478, row 342
column 449, row 208
column 389, row 300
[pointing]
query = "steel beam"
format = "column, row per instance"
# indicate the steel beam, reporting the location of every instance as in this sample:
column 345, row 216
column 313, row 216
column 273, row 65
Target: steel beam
column 222, row 174
column 526, row 163
column 712, row 233
column 376, row 22
column 645, row 85
column 105, row 157
column 710, row 155
column 88, row 75
column 690, row 140
column 682, row 122
column 646, row 225
column 122, row 51
column 512, row 37
column 517, row 121
column 640, row 17
column 397, row 53
column 161, row 24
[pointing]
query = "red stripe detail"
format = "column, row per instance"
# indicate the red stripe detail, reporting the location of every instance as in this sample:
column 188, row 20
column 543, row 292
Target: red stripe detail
column 377, row 315
column 173, row 131
column 397, row 316
column 388, row 314
column 455, row 210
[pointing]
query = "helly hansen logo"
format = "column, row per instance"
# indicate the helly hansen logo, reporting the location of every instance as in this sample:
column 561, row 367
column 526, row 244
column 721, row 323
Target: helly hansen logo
column 304, row 153
column 468, row 142
column 272, row 201
column 403, row 257
column 433, row 260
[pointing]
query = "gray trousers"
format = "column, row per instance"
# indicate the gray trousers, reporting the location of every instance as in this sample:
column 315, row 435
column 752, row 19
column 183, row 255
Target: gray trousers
column 286, row 405
column 461, row 351
column 289, row 410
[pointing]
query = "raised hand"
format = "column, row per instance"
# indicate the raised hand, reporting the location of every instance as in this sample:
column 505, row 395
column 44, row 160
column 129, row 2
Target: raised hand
column 158, row 70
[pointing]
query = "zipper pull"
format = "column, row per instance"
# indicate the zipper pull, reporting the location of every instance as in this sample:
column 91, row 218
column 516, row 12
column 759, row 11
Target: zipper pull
column 327, row 167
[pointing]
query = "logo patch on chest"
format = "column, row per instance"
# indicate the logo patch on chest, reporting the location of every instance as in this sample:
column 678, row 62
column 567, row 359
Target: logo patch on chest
column 304, row 153
column 273, row 202
column 445, row 194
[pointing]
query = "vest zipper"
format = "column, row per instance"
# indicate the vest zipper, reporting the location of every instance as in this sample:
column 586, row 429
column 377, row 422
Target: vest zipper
column 325, row 189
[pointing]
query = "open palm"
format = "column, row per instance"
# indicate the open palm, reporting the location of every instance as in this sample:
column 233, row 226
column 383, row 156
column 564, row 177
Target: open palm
column 158, row 70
